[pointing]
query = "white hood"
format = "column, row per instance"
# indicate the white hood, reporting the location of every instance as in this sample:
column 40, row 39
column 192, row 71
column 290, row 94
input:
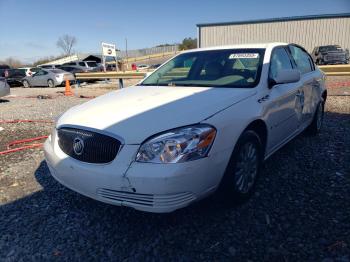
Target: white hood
column 135, row 113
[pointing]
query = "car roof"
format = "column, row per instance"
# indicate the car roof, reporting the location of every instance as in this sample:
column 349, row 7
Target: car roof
column 242, row 46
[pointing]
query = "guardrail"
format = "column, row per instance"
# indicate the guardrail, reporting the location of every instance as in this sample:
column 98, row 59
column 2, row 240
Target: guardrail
column 336, row 70
column 111, row 75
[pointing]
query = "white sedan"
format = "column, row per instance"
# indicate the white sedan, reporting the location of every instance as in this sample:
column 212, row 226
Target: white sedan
column 204, row 120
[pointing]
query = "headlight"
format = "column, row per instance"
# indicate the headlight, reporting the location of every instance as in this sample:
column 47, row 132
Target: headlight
column 178, row 145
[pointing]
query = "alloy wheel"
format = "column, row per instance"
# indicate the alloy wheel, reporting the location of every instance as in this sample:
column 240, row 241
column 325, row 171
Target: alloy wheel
column 246, row 167
column 50, row 83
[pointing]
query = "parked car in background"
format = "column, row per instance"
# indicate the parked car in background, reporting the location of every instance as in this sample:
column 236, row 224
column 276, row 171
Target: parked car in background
column 87, row 66
column 4, row 87
column 330, row 54
column 29, row 70
column 142, row 66
column 205, row 120
column 72, row 69
column 110, row 67
column 4, row 70
column 15, row 77
column 48, row 77
column 155, row 66
column 49, row 66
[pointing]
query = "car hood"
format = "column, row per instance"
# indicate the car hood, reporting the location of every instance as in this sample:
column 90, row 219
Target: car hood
column 135, row 113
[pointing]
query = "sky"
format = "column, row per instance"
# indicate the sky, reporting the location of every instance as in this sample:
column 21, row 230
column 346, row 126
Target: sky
column 30, row 29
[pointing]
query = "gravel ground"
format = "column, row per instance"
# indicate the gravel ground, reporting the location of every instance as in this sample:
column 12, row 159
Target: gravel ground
column 300, row 211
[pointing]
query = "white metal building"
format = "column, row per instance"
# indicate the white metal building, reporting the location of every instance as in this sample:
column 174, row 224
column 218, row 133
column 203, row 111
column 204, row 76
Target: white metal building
column 307, row 31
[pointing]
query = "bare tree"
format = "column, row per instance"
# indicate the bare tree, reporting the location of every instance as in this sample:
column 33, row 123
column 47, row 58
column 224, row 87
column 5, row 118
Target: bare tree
column 13, row 62
column 66, row 43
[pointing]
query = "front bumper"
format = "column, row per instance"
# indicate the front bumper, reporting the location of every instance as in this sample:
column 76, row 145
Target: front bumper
column 148, row 187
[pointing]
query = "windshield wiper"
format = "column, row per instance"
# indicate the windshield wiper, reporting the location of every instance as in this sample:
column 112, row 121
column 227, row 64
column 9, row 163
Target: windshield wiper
column 188, row 84
column 152, row 84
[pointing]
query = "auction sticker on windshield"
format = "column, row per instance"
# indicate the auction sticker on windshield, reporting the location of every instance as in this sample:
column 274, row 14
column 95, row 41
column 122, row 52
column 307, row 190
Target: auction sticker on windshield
column 244, row 55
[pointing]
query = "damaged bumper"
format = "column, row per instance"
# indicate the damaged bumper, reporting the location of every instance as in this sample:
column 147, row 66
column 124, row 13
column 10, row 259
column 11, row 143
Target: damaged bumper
column 143, row 186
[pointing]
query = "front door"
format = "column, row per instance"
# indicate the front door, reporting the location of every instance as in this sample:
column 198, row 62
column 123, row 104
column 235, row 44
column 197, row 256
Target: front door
column 303, row 62
column 39, row 79
column 284, row 104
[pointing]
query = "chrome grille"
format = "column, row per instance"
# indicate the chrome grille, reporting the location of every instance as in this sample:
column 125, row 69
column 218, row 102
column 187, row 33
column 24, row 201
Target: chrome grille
column 87, row 146
column 335, row 57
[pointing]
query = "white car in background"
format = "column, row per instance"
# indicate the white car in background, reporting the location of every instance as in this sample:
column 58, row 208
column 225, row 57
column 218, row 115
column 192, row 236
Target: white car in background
column 204, row 120
column 142, row 67
column 29, row 71
column 48, row 77
column 4, row 87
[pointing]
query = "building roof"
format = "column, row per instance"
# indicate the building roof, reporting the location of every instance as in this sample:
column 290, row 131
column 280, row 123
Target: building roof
column 72, row 58
column 280, row 19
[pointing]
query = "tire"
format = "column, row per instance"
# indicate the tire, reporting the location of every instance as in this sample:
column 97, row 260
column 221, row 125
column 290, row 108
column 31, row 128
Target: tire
column 242, row 171
column 25, row 84
column 50, row 83
column 315, row 127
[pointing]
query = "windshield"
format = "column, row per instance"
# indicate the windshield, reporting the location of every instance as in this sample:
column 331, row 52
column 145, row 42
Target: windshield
column 215, row 68
column 330, row 48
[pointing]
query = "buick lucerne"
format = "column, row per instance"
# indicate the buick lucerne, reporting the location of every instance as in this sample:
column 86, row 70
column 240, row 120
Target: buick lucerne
column 202, row 121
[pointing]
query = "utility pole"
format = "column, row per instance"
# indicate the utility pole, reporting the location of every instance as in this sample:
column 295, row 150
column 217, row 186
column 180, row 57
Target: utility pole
column 126, row 52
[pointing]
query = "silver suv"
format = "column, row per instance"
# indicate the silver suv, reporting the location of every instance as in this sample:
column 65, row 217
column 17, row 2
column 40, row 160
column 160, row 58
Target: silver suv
column 86, row 66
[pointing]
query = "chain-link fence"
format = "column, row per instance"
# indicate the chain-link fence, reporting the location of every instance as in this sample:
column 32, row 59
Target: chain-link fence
column 148, row 51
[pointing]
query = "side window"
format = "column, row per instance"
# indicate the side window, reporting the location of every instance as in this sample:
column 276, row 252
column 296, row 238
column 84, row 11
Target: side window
column 279, row 60
column 81, row 63
column 301, row 59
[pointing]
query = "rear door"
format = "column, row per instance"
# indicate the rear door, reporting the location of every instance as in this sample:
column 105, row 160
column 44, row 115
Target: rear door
column 310, row 84
column 282, row 106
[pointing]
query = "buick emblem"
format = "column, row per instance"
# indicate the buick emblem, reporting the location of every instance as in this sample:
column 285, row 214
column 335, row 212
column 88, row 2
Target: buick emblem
column 78, row 146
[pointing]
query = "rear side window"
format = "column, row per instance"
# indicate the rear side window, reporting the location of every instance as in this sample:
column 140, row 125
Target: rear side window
column 82, row 64
column 92, row 64
column 35, row 69
column 301, row 59
column 279, row 61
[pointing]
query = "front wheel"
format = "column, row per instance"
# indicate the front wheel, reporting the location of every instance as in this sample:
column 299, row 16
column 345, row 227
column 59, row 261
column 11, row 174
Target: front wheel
column 243, row 169
column 25, row 84
column 316, row 124
column 50, row 83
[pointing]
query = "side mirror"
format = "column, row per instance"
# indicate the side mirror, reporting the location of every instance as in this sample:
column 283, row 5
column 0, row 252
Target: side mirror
column 286, row 76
